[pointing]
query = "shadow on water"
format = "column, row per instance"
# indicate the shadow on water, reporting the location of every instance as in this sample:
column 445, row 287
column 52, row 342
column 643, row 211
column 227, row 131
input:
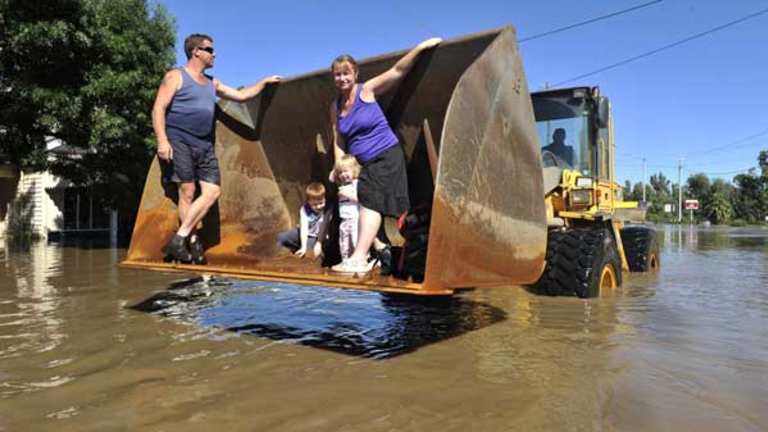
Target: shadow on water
column 355, row 323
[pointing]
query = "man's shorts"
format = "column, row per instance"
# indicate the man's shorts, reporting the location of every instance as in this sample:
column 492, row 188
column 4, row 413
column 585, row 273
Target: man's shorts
column 191, row 163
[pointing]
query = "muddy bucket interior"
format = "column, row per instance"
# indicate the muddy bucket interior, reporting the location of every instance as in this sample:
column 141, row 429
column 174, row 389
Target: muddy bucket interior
column 477, row 218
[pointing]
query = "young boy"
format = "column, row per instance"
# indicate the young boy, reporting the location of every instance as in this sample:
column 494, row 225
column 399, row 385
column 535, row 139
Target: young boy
column 347, row 169
column 312, row 223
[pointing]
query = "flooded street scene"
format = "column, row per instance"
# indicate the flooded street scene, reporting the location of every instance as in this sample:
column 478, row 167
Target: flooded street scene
column 405, row 216
column 88, row 346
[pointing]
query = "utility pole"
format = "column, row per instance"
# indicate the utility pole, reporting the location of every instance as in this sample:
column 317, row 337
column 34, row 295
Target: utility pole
column 680, row 191
column 643, row 182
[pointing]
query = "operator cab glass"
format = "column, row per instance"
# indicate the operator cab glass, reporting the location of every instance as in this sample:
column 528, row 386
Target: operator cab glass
column 563, row 126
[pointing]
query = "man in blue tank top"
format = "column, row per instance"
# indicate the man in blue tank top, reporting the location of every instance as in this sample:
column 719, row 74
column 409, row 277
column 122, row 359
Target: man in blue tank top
column 183, row 120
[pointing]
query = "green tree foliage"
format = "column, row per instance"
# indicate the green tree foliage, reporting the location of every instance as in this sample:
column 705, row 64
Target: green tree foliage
column 750, row 203
column 84, row 72
column 762, row 161
column 745, row 199
column 660, row 184
column 717, row 203
column 698, row 187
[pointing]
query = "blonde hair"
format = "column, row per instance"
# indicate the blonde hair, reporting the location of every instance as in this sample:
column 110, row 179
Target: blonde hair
column 347, row 161
column 314, row 190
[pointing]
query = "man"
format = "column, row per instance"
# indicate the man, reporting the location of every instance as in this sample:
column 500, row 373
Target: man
column 182, row 118
column 559, row 148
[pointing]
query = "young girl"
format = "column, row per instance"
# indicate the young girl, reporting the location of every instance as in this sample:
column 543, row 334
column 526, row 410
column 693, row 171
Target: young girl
column 346, row 171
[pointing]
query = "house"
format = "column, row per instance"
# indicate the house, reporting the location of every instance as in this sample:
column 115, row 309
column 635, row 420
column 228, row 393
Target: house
column 47, row 207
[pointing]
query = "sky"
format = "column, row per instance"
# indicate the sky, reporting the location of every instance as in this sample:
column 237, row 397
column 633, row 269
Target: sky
column 702, row 102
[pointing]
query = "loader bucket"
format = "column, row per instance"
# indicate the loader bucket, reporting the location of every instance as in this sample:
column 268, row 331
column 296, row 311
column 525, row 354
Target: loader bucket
column 466, row 101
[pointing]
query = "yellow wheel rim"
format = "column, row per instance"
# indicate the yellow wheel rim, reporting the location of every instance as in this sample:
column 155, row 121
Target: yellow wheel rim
column 607, row 278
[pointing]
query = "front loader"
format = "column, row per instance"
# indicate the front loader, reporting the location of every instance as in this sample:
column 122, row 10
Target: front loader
column 592, row 233
column 482, row 207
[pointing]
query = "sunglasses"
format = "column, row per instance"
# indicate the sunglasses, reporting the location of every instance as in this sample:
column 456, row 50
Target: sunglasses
column 209, row 50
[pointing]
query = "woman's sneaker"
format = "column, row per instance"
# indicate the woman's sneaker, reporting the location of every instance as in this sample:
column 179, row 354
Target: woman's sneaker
column 176, row 250
column 354, row 266
column 197, row 250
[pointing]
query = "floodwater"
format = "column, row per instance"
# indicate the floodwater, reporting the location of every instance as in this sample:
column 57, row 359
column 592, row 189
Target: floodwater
column 88, row 346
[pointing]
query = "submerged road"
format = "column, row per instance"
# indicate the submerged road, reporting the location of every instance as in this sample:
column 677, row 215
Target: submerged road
column 88, row 346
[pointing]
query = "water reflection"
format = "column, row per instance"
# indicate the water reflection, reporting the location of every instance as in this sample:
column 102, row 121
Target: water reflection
column 30, row 320
column 355, row 323
column 678, row 238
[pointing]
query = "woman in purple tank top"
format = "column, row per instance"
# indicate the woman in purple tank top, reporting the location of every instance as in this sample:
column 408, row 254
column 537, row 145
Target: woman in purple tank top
column 361, row 129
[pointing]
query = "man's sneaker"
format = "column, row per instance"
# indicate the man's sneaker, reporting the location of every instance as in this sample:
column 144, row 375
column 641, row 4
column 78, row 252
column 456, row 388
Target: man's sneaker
column 176, row 250
column 197, row 250
column 354, row 266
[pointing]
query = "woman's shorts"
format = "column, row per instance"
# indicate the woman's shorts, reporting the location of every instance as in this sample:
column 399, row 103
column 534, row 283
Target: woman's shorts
column 383, row 183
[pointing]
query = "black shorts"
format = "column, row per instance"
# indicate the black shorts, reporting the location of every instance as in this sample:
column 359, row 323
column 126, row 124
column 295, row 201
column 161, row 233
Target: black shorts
column 383, row 183
column 191, row 163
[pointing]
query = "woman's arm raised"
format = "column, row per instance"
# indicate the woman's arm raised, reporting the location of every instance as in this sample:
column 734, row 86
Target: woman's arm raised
column 380, row 84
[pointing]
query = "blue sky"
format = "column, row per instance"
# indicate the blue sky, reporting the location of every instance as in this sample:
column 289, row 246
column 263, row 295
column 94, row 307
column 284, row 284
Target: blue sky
column 703, row 101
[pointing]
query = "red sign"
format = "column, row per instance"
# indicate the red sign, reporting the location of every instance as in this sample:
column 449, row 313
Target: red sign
column 691, row 204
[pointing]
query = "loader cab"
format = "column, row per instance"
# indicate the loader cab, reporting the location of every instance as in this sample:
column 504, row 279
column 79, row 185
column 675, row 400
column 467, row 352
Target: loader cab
column 583, row 117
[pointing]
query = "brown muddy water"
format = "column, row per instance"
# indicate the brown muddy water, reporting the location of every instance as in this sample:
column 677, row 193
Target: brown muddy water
column 88, row 346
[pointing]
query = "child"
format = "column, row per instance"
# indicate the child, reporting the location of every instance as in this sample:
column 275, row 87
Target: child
column 346, row 171
column 312, row 223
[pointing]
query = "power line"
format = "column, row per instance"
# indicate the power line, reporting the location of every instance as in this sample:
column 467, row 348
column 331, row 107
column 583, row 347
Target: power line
column 730, row 146
column 725, row 173
column 739, row 143
column 665, row 47
column 589, row 21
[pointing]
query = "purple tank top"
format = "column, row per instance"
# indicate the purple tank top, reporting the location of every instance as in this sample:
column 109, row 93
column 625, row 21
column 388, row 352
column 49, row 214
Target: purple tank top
column 192, row 108
column 365, row 129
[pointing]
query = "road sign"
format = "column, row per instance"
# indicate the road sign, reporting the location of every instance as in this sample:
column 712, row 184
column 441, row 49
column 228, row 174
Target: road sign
column 691, row 204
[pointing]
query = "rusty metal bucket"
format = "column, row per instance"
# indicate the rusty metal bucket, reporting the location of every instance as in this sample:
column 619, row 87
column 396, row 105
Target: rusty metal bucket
column 467, row 101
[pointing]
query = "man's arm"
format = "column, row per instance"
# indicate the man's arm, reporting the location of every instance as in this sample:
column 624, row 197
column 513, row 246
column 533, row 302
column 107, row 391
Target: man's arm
column 382, row 83
column 242, row 95
column 168, row 87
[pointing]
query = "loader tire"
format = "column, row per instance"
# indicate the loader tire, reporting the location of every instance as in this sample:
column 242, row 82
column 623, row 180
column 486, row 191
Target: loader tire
column 580, row 262
column 641, row 247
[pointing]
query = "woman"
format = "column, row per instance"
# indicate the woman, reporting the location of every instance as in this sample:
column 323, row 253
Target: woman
column 360, row 129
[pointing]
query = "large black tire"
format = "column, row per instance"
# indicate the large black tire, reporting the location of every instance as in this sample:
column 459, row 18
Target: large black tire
column 579, row 261
column 641, row 246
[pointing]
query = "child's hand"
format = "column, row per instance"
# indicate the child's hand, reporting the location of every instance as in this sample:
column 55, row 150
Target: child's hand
column 318, row 250
column 332, row 176
column 301, row 252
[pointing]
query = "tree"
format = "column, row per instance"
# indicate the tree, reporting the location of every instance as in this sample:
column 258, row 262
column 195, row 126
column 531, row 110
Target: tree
column 718, row 202
column 39, row 74
column 762, row 161
column 698, row 187
column 84, row 72
column 660, row 184
column 748, row 201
